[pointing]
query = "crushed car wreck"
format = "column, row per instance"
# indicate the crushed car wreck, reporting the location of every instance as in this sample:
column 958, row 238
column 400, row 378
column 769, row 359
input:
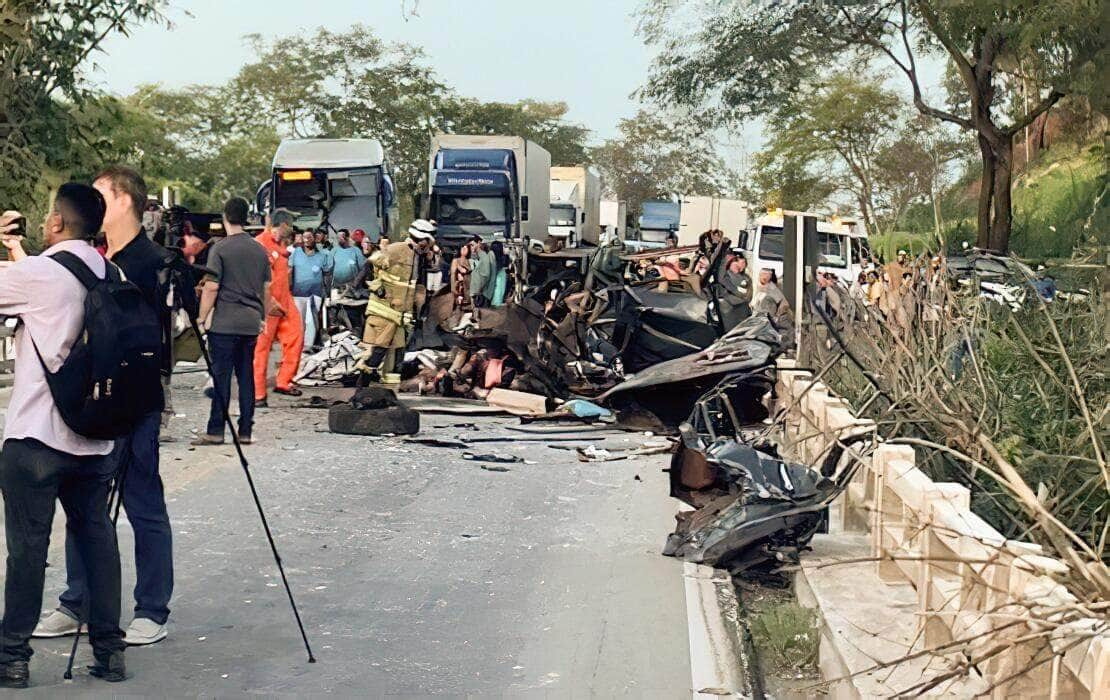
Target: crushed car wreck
column 754, row 511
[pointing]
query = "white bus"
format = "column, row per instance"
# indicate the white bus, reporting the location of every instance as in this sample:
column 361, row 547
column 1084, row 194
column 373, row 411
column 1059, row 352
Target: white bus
column 349, row 178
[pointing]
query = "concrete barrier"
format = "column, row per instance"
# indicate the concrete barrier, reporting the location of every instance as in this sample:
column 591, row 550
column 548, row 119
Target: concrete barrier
column 973, row 587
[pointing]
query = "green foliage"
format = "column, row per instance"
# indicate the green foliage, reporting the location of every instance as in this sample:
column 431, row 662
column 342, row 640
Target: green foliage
column 746, row 58
column 43, row 46
column 786, row 636
column 1057, row 206
column 655, row 156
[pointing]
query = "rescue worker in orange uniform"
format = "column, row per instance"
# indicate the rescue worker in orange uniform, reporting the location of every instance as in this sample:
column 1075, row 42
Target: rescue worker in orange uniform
column 284, row 322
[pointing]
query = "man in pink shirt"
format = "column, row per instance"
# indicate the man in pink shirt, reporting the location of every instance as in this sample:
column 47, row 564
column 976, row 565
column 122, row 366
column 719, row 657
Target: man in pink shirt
column 42, row 460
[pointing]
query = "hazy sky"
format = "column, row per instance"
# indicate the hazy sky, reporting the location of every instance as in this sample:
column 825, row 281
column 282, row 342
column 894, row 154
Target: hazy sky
column 583, row 52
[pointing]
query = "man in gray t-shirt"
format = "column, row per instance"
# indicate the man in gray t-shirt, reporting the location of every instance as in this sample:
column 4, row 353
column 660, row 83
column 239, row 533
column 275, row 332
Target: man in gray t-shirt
column 236, row 297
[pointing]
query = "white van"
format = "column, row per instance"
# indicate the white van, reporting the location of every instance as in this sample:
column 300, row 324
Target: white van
column 843, row 245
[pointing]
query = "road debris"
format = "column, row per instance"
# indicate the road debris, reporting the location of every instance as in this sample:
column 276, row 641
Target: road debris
column 373, row 411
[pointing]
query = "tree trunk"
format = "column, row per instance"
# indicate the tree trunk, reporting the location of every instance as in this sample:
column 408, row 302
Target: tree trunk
column 1002, row 220
column 986, row 193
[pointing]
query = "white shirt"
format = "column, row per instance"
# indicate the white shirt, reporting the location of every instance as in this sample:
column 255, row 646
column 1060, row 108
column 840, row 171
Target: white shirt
column 50, row 302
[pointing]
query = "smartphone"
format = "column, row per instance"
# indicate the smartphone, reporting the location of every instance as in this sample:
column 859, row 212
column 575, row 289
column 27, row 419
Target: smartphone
column 20, row 227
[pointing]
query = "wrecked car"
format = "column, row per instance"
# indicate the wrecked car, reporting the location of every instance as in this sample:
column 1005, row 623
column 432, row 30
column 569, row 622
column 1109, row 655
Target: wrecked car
column 754, row 510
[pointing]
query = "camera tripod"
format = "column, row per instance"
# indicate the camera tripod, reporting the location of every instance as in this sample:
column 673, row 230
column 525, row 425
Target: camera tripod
column 183, row 276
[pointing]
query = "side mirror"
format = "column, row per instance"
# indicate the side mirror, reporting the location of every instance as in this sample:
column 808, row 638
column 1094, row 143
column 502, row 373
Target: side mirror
column 523, row 207
column 583, row 217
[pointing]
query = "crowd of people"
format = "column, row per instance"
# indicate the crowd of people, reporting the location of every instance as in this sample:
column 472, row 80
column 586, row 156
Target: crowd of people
column 246, row 291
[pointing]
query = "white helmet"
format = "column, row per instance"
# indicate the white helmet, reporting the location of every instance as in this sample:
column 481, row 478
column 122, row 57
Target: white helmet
column 422, row 230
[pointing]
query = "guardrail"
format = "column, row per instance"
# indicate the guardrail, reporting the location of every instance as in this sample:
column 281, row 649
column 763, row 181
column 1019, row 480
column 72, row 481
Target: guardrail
column 972, row 583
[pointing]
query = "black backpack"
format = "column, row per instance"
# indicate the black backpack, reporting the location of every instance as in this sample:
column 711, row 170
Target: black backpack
column 112, row 376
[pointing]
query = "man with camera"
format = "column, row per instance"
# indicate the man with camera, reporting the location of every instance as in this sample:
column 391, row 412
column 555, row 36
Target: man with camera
column 43, row 459
column 144, row 263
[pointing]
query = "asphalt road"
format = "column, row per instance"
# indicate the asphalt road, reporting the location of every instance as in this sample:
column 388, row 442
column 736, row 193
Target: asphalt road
column 417, row 571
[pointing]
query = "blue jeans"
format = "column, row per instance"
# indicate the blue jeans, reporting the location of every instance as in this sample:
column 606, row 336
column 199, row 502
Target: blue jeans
column 232, row 353
column 32, row 477
column 145, row 503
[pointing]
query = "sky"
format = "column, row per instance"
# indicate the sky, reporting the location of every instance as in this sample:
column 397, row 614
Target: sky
column 582, row 52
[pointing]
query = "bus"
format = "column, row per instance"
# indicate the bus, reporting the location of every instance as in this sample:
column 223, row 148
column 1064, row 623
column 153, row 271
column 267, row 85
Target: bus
column 334, row 183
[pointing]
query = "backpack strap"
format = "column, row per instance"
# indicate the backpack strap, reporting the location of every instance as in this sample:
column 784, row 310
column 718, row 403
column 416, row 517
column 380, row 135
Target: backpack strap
column 77, row 268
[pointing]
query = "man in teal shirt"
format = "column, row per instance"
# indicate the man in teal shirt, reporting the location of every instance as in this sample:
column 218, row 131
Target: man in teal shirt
column 309, row 265
column 348, row 260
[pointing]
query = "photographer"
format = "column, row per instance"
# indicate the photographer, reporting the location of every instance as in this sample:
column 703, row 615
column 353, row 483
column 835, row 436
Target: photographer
column 42, row 458
column 144, row 263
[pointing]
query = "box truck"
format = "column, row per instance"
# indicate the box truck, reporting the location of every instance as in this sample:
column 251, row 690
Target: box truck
column 495, row 186
column 614, row 219
column 659, row 218
column 575, row 215
column 701, row 214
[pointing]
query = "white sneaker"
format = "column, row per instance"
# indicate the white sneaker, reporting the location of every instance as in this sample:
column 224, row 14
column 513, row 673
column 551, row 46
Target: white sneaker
column 56, row 623
column 144, row 631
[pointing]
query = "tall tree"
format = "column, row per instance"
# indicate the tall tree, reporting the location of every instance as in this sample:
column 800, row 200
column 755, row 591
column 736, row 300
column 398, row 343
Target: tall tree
column 542, row 122
column 44, row 47
column 654, row 157
column 841, row 126
column 748, row 56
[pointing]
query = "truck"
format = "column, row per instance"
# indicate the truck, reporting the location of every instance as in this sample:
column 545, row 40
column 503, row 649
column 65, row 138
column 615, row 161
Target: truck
column 842, row 245
column 659, row 218
column 701, row 214
column 497, row 187
column 614, row 217
column 575, row 214
column 332, row 183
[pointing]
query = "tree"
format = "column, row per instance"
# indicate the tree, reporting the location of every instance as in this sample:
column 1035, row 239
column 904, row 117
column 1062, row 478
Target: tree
column 43, row 46
column 841, row 126
column 654, row 157
column 749, row 56
column 782, row 180
column 542, row 122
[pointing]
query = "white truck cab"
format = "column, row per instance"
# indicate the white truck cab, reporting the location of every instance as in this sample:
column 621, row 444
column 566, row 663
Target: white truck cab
column 843, row 248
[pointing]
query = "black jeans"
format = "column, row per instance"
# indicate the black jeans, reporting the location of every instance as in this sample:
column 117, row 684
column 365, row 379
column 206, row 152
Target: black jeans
column 144, row 500
column 232, row 353
column 32, row 476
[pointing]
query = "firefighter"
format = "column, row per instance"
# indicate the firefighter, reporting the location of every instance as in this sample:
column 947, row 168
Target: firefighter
column 284, row 321
column 395, row 294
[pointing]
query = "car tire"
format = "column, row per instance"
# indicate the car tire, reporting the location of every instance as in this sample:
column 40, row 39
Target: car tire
column 395, row 420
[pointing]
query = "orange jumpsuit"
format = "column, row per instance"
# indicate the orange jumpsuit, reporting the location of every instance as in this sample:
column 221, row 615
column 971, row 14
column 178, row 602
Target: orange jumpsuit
column 287, row 329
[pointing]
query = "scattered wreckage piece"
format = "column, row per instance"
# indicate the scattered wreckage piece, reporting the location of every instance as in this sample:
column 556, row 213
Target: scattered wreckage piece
column 754, row 511
column 373, row 410
column 336, row 360
column 669, row 389
column 518, row 403
column 452, row 406
column 592, row 453
column 492, row 458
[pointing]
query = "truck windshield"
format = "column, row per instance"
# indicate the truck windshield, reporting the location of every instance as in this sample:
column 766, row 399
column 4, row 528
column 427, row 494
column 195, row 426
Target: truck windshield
column 472, row 210
column 561, row 215
column 772, row 243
